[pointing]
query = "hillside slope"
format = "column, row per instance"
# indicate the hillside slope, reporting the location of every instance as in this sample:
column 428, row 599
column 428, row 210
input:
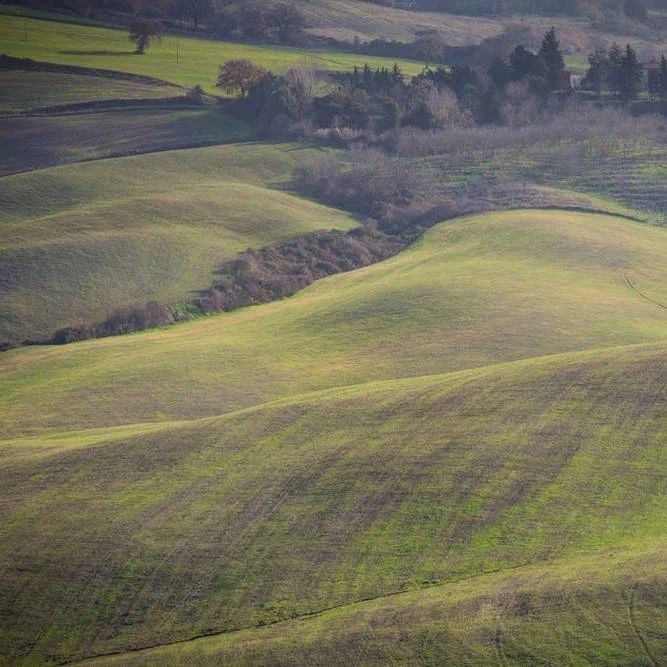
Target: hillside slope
column 608, row 608
column 475, row 291
column 81, row 240
column 347, row 19
column 324, row 500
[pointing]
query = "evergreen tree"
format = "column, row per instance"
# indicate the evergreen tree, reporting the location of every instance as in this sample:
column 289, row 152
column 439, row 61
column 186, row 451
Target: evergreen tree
column 525, row 63
column 615, row 69
column 662, row 79
column 630, row 75
column 500, row 73
column 598, row 71
column 552, row 58
column 396, row 75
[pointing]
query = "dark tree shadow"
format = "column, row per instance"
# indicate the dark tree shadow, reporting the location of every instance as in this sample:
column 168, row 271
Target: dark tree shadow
column 98, row 53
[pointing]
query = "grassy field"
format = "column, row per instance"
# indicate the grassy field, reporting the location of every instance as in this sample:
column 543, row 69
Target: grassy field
column 22, row 90
column 80, row 240
column 316, row 501
column 473, row 292
column 36, row 142
column 104, row 48
column 455, row 456
column 602, row 609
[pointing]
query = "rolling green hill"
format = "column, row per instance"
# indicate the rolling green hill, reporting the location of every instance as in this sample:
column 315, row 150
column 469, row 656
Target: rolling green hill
column 81, row 240
column 477, row 291
column 554, row 466
column 455, row 456
column 105, row 48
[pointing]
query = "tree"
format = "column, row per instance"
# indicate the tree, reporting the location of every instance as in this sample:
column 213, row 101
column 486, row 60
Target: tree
column 288, row 21
column 252, row 20
column 662, row 79
column 429, row 46
column 630, row 77
column 143, row 31
column 552, row 58
column 525, row 63
column 500, row 73
column 598, row 71
column 239, row 76
column 195, row 10
column 614, row 69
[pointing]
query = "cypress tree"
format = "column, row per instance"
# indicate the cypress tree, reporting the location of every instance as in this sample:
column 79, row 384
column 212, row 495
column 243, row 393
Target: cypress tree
column 598, row 72
column 630, row 75
column 662, row 80
column 552, row 57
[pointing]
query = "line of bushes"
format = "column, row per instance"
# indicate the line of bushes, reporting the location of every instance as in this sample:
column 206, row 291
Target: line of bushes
column 253, row 277
column 260, row 276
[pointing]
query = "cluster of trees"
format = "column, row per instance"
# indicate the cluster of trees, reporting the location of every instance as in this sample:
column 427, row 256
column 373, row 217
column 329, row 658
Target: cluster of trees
column 619, row 71
column 273, row 21
column 382, row 99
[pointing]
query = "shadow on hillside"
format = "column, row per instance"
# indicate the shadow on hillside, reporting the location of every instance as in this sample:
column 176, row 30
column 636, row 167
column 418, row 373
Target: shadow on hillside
column 97, row 53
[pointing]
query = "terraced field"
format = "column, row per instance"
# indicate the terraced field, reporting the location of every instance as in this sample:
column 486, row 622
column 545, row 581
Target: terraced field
column 629, row 178
column 126, row 239
column 36, row 142
column 104, row 48
column 22, row 90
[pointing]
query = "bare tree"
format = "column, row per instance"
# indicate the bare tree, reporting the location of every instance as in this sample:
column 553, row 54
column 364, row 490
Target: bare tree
column 239, row 76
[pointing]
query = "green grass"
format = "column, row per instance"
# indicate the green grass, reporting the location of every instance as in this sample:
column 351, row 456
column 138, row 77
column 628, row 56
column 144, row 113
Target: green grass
column 21, row 90
column 473, row 292
column 80, row 240
column 574, row 611
column 104, row 48
column 324, row 500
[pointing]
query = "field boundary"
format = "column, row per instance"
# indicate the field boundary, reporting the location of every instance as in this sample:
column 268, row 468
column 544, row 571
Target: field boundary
column 114, row 104
column 636, row 290
column 11, row 62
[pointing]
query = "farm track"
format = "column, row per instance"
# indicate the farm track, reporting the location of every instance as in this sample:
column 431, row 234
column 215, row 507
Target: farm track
column 319, row 612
